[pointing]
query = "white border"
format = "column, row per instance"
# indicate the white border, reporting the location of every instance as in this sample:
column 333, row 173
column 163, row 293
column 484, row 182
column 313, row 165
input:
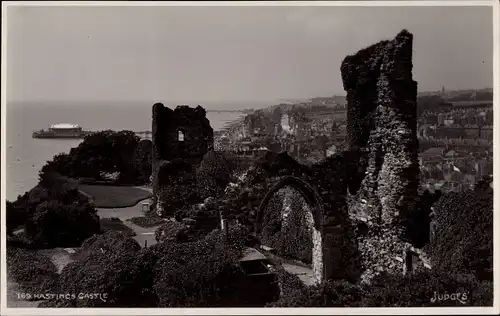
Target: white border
column 269, row 311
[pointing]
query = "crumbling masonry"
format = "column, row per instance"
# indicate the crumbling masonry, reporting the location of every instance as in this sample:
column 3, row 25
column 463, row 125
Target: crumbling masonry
column 361, row 199
column 363, row 233
column 382, row 122
column 181, row 137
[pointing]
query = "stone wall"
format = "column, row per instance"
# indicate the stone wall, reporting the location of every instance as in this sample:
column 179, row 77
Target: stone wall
column 365, row 196
column 181, row 134
column 382, row 122
column 334, row 252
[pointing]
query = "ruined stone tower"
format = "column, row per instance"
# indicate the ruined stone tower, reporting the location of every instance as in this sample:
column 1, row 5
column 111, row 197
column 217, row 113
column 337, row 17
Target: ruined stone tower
column 382, row 122
column 183, row 135
column 381, row 126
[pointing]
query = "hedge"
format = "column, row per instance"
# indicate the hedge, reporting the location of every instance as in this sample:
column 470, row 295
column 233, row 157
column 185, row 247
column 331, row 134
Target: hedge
column 199, row 274
column 419, row 290
column 35, row 273
column 464, row 236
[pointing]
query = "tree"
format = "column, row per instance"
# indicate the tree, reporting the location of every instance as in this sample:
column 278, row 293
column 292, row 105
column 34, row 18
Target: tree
column 33, row 271
column 422, row 290
column 16, row 216
column 107, row 265
column 55, row 191
column 195, row 274
column 55, row 224
column 175, row 186
column 322, row 143
column 143, row 156
column 60, row 164
column 464, row 233
column 201, row 273
column 101, row 152
column 326, row 294
column 215, row 172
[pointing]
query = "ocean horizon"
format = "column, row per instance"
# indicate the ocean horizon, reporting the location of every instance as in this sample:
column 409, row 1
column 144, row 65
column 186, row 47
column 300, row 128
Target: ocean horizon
column 26, row 155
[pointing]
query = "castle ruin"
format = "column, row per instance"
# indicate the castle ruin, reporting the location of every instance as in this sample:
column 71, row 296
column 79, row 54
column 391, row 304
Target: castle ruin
column 366, row 194
column 361, row 198
column 382, row 126
column 181, row 137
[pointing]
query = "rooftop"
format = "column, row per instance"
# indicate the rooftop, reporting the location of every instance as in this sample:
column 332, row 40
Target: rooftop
column 434, row 151
column 250, row 254
column 64, row 126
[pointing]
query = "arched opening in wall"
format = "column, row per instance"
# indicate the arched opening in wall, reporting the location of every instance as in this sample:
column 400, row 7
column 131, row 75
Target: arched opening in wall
column 180, row 136
column 411, row 259
column 288, row 225
column 289, row 221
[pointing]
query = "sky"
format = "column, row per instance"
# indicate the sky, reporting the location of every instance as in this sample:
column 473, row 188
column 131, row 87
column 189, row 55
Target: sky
column 225, row 54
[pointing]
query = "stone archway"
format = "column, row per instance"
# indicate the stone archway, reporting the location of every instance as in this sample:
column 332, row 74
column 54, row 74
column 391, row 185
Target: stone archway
column 313, row 219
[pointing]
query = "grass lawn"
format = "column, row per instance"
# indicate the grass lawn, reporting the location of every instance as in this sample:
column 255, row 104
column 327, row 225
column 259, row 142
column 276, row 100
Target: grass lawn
column 115, row 224
column 147, row 222
column 105, row 196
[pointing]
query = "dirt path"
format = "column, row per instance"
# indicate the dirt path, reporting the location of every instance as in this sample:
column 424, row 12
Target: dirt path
column 143, row 235
column 61, row 258
column 303, row 273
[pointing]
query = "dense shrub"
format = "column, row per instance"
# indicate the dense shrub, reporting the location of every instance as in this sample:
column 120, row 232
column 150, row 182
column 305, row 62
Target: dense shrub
column 15, row 216
column 242, row 201
column 115, row 277
column 146, row 222
column 464, row 236
column 177, row 186
column 106, row 265
column 111, row 242
column 54, row 213
column 201, row 218
column 105, row 152
column 215, row 172
column 20, row 240
column 61, row 164
column 171, row 231
column 418, row 223
column 115, row 224
column 55, row 224
column 54, row 188
column 243, row 198
column 420, row 290
column 291, row 238
column 425, row 289
column 34, row 272
column 202, row 273
column 326, row 294
column 143, row 156
column 288, row 282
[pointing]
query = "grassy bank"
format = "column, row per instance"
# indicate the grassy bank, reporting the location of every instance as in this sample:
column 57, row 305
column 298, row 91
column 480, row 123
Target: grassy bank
column 147, row 222
column 105, row 196
column 115, row 224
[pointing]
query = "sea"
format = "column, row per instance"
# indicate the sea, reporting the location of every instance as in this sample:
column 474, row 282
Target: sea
column 26, row 155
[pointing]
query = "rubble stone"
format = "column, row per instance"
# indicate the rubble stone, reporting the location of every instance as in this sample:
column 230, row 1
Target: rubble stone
column 382, row 122
column 181, row 134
